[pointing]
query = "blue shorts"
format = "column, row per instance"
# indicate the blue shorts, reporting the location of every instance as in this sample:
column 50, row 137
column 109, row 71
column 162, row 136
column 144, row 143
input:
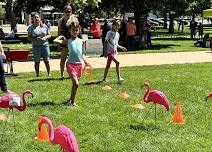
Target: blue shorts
column 41, row 51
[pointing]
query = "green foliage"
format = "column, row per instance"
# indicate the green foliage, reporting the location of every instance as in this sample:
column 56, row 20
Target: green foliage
column 1, row 12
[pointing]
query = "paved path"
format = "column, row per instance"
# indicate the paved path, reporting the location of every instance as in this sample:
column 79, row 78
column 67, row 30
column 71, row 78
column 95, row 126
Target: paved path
column 129, row 60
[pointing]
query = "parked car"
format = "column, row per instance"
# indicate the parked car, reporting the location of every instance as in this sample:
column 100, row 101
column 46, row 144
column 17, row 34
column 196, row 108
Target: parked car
column 153, row 22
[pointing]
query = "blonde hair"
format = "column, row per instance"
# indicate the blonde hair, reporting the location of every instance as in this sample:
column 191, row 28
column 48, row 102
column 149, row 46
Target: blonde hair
column 74, row 25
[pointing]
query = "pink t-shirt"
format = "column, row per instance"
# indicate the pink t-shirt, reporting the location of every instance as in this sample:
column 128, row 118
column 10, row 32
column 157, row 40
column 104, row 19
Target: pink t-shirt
column 131, row 29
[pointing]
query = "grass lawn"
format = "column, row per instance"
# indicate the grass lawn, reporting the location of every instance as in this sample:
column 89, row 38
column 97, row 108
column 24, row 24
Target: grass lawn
column 105, row 123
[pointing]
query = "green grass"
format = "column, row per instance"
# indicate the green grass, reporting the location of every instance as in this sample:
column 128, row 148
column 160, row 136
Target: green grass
column 104, row 123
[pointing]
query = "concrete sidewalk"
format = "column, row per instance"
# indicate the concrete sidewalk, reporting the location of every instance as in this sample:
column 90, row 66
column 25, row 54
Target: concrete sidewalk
column 127, row 60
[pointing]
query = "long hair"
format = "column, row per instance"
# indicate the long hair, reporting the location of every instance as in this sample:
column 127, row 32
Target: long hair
column 69, row 6
column 33, row 14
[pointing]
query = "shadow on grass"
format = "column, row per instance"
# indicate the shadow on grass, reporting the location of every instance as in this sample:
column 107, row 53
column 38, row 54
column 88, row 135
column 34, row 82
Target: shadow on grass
column 64, row 103
column 93, row 82
column 46, row 79
column 174, row 38
column 143, row 127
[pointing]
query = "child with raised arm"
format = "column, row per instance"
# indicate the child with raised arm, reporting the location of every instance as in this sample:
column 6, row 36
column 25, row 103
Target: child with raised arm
column 111, row 45
column 75, row 58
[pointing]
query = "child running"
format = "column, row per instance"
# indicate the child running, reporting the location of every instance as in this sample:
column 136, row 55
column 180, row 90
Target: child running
column 75, row 58
column 111, row 45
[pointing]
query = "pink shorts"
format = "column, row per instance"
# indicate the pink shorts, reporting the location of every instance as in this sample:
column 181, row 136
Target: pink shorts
column 74, row 70
column 110, row 56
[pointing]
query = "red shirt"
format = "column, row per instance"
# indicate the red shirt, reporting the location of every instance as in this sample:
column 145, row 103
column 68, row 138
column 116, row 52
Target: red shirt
column 96, row 28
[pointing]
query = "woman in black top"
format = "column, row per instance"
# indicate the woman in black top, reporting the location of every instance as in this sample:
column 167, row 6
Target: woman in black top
column 63, row 30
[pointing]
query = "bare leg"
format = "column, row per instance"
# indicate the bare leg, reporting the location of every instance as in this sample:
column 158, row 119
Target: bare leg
column 64, row 53
column 107, row 69
column 37, row 64
column 75, row 85
column 47, row 67
column 117, row 68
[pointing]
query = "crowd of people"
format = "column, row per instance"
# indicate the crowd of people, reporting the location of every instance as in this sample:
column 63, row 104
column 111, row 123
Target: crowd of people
column 71, row 46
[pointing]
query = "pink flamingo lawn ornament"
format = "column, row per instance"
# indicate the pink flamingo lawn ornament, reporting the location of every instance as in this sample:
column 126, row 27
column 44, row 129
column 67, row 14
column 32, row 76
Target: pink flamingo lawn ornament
column 155, row 96
column 5, row 102
column 62, row 136
column 208, row 96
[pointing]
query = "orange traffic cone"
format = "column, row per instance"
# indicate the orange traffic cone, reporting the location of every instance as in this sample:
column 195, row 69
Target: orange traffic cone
column 123, row 95
column 42, row 134
column 178, row 115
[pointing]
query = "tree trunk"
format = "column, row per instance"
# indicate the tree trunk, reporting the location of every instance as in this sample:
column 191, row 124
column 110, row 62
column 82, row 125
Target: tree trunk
column 165, row 21
column 171, row 24
column 10, row 13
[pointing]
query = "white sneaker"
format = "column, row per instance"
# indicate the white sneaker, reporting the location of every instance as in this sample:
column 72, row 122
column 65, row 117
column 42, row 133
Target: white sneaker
column 120, row 80
column 105, row 81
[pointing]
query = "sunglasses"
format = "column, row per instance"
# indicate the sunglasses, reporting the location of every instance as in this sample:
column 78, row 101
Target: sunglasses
column 67, row 11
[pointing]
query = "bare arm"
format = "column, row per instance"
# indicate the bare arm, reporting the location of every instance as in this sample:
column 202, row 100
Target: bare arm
column 121, row 47
column 48, row 36
column 30, row 38
column 2, row 51
column 60, row 40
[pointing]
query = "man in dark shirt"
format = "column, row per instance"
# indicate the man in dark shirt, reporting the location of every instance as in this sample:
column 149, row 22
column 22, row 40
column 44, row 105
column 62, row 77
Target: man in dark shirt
column 105, row 28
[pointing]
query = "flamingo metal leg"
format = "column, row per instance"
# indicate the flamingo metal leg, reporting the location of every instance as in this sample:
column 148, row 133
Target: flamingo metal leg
column 14, row 122
column 4, row 126
column 146, row 114
column 155, row 113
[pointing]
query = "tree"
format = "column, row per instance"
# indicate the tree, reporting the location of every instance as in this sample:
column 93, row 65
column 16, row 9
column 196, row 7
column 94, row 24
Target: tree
column 10, row 15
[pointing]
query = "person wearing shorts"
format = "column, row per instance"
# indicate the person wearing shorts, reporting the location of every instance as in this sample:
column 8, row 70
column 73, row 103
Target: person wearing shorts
column 111, row 45
column 63, row 30
column 75, row 58
column 38, row 34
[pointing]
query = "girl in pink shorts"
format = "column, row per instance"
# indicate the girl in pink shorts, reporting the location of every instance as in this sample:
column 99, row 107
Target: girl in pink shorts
column 75, row 58
column 111, row 45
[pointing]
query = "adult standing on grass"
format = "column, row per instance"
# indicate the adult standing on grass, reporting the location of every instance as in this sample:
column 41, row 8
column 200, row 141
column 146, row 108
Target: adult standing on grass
column 3, row 84
column 38, row 34
column 64, row 31
column 105, row 28
column 111, row 45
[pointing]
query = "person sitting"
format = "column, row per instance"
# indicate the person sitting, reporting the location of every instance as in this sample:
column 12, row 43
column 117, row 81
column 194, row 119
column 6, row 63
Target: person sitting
column 13, row 35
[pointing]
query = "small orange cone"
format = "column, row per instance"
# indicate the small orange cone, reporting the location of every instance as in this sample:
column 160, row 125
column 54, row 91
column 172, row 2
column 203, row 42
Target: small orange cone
column 106, row 88
column 123, row 95
column 138, row 106
column 42, row 134
column 3, row 117
column 178, row 115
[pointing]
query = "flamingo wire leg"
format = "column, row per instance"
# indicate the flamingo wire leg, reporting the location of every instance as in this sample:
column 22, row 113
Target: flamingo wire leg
column 155, row 113
column 146, row 114
column 14, row 122
column 4, row 126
